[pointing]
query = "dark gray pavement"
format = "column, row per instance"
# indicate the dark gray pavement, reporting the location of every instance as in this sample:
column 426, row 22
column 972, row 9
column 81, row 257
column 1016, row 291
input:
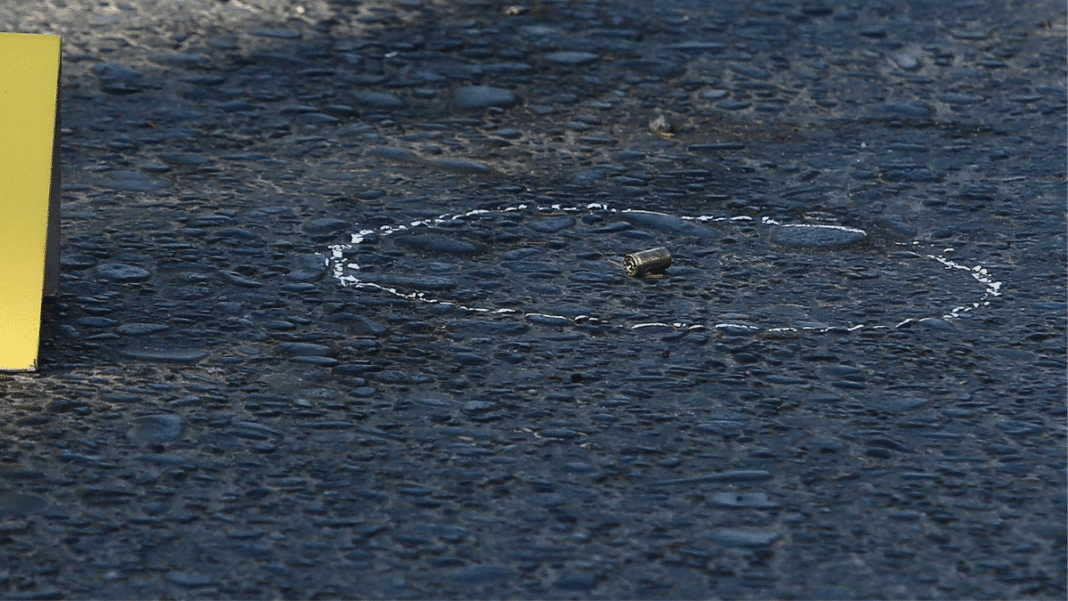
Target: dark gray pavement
column 343, row 313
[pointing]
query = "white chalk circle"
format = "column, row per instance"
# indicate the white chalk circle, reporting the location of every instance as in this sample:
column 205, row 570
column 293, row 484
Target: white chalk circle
column 803, row 241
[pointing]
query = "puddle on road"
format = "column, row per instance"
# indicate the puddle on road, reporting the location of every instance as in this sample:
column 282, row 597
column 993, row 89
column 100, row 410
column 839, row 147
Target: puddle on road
column 924, row 265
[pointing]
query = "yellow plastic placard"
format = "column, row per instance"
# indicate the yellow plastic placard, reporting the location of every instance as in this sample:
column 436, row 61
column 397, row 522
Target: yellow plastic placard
column 29, row 191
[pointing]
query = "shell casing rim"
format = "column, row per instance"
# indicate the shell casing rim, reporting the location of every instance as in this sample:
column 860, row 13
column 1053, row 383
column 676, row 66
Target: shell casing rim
column 636, row 264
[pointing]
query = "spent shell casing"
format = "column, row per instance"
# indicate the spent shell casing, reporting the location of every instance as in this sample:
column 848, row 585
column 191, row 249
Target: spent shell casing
column 640, row 263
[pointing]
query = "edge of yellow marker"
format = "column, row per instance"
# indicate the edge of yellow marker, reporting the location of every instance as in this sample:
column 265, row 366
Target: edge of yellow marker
column 29, row 191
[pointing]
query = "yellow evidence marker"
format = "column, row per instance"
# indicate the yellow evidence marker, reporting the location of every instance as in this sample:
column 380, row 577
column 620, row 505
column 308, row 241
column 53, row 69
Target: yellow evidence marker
column 29, row 191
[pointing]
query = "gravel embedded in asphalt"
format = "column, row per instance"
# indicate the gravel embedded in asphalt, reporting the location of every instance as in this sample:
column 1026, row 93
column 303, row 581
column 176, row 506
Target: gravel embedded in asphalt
column 343, row 311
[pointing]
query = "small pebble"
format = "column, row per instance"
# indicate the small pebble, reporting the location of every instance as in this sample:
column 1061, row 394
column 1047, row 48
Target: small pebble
column 571, row 59
column 133, row 181
column 305, row 349
column 905, row 60
column 753, row 500
column 745, row 537
column 378, row 100
column 165, row 356
column 326, row 226
column 117, row 272
column 909, row 108
column 280, row 34
column 401, row 155
column 141, row 329
column 668, row 223
column 488, row 328
column 188, row 579
column 751, row 71
column 115, row 71
column 961, row 99
column 734, row 105
column 155, row 429
column 550, row 225
column 712, row 94
column 480, row 97
column 817, row 237
column 463, row 165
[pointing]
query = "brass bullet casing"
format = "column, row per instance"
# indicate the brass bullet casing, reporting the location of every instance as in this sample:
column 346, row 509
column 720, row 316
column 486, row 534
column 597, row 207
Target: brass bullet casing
column 641, row 264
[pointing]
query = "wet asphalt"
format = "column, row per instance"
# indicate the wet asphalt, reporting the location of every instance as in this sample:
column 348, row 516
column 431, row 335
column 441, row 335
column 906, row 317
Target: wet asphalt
column 343, row 310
